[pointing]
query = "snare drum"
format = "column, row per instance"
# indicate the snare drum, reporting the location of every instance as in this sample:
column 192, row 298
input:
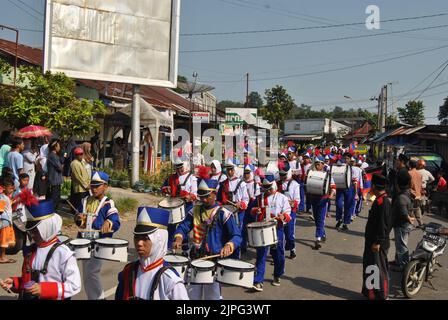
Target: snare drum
column 235, row 272
column 202, row 272
column 176, row 207
column 318, row 183
column 82, row 248
column 262, row 234
column 234, row 211
column 342, row 176
column 179, row 262
column 111, row 249
column 91, row 234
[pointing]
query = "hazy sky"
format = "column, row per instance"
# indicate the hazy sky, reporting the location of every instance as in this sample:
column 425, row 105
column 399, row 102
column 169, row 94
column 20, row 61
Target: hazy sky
column 319, row 73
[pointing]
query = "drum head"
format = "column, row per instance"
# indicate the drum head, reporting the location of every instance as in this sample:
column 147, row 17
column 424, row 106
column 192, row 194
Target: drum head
column 176, row 258
column 171, row 203
column 262, row 224
column 202, row 264
column 80, row 242
column 236, row 264
column 112, row 242
column 63, row 238
column 231, row 208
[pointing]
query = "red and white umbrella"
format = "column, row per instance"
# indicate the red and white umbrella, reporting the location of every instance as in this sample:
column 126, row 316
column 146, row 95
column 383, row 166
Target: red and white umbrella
column 33, row 132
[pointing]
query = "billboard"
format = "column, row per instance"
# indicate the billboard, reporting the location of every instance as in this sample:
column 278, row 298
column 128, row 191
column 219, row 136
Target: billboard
column 201, row 117
column 123, row 41
column 241, row 116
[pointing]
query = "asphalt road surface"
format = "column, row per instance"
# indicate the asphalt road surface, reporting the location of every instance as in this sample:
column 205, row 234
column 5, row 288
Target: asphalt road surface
column 334, row 272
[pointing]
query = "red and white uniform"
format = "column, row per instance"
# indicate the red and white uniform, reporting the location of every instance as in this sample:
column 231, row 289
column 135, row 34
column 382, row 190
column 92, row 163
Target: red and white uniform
column 293, row 192
column 240, row 192
column 277, row 203
column 187, row 186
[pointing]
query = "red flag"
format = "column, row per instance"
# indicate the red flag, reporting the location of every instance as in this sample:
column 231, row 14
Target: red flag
column 290, row 144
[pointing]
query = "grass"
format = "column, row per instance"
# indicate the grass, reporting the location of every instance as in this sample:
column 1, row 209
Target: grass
column 126, row 205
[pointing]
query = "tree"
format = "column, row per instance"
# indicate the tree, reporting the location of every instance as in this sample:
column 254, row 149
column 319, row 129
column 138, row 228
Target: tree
column 279, row 105
column 412, row 113
column 255, row 100
column 48, row 100
column 223, row 105
column 443, row 113
column 391, row 120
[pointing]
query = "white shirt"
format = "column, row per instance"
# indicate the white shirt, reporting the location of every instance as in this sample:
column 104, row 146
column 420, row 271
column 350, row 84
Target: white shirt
column 278, row 204
column 364, row 165
column 253, row 189
column 241, row 194
column 427, row 177
column 62, row 269
column 293, row 192
column 191, row 185
column 171, row 286
column 357, row 174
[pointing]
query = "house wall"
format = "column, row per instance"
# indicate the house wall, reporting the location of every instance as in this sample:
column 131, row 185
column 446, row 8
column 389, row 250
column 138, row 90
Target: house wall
column 312, row 126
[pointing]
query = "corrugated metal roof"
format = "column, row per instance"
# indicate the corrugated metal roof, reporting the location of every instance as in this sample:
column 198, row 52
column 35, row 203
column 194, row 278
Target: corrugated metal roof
column 31, row 55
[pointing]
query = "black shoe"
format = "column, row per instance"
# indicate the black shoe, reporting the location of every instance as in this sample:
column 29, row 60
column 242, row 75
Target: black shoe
column 317, row 245
column 338, row 225
column 293, row 255
column 344, row 227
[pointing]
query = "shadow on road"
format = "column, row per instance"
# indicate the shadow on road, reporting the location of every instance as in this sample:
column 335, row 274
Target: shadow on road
column 350, row 258
column 325, row 288
column 308, row 243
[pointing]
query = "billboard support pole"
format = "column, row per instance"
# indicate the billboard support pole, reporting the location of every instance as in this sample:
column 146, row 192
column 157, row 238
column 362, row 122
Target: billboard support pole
column 135, row 140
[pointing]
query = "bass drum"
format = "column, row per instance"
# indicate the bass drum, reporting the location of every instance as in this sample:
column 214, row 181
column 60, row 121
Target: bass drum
column 318, row 183
column 342, row 176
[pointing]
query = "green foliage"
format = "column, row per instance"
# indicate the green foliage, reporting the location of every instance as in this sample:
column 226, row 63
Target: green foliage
column 412, row 113
column 66, row 188
column 255, row 100
column 443, row 113
column 48, row 100
column 279, row 105
column 223, row 105
column 126, row 205
column 154, row 182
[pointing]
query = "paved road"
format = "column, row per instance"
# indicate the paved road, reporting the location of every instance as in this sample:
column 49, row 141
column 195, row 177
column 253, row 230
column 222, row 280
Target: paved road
column 333, row 272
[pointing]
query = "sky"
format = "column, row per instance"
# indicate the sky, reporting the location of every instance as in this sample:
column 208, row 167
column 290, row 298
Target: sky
column 315, row 68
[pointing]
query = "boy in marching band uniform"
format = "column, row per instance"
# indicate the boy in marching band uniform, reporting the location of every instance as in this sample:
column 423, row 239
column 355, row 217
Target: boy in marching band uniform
column 253, row 191
column 150, row 277
column 49, row 271
column 105, row 220
column 291, row 189
column 280, row 210
column 233, row 191
column 320, row 205
column 346, row 198
column 214, row 232
column 360, row 177
column 181, row 184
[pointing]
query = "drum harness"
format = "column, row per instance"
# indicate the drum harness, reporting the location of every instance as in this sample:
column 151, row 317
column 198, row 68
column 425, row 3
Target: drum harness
column 178, row 190
column 35, row 274
column 233, row 193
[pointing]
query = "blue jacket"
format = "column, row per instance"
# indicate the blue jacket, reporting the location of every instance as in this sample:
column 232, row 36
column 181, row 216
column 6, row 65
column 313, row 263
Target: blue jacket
column 107, row 212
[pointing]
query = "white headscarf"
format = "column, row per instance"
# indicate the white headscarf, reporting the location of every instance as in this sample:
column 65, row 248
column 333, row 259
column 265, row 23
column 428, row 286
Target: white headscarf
column 43, row 157
column 50, row 227
column 217, row 165
column 159, row 239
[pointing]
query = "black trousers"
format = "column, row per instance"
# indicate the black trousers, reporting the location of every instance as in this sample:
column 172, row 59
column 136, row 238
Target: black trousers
column 76, row 199
column 54, row 193
column 378, row 259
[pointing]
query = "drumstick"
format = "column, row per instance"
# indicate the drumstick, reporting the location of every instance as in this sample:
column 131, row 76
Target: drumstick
column 69, row 203
column 210, row 257
column 232, row 203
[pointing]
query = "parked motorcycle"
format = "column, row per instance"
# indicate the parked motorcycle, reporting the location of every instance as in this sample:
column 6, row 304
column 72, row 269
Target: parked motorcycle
column 423, row 260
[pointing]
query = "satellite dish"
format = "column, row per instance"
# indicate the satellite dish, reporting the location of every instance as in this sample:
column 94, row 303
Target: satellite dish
column 194, row 87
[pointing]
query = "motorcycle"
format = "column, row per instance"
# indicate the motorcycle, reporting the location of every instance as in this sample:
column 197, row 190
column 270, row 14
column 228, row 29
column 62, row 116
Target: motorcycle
column 423, row 260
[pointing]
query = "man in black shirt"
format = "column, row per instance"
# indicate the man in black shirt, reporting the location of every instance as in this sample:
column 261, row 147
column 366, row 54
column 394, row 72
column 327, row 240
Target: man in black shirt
column 403, row 219
column 377, row 242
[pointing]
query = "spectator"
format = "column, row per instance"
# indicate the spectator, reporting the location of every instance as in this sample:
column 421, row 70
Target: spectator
column 4, row 150
column 40, row 186
column 80, row 178
column 70, row 146
column 7, row 236
column 29, row 162
column 88, row 158
column 427, row 179
column 416, row 190
column 402, row 219
column 54, row 164
column 440, row 193
column 15, row 159
column 95, row 142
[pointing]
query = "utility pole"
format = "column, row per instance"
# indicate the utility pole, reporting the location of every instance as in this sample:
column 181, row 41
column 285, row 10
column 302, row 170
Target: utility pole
column 384, row 106
column 247, row 90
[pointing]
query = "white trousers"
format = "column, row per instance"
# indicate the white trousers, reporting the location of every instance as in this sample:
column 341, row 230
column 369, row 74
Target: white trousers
column 204, row 291
column 92, row 280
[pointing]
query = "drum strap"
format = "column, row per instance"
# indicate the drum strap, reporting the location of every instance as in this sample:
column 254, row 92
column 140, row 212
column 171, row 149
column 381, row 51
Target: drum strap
column 50, row 255
column 156, row 281
column 182, row 185
column 237, row 187
column 132, row 275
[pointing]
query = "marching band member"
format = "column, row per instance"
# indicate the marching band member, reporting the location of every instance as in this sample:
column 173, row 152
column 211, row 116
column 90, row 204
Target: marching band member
column 150, row 277
column 214, row 232
column 280, row 210
column 360, row 177
column 106, row 220
column 290, row 188
column 346, row 198
column 217, row 173
column 253, row 191
column 181, row 184
column 233, row 191
column 319, row 204
column 49, row 270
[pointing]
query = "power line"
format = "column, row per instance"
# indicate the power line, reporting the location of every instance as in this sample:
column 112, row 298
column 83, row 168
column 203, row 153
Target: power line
column 434, row 80
column 334, row 69
column 306, row 28
column 30, row 7
column 313, row 41
column 25, row 10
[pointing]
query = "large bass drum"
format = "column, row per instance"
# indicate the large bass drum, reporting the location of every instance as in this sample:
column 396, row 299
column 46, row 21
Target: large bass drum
column 318, row 183
column 342, row 176
column 176, row 207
